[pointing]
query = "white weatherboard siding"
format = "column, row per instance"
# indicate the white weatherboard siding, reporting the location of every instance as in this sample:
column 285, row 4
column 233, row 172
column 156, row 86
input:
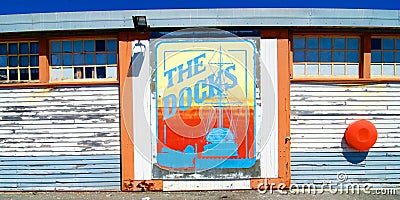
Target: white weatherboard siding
column 320, row 114
column 66, row 138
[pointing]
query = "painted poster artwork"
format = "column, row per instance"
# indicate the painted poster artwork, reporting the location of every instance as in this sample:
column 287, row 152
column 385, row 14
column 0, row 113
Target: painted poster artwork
column 205, row 104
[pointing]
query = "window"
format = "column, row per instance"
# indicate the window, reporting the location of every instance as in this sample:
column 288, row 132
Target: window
column 83, row 59
column 19, row 61
column 385, row 57
column 325, row 56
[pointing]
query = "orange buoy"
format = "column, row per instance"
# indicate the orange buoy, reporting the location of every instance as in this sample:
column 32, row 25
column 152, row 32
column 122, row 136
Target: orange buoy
column 361, row 135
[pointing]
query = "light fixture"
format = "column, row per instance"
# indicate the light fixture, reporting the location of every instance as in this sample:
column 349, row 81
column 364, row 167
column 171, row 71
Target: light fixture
column 140, row 23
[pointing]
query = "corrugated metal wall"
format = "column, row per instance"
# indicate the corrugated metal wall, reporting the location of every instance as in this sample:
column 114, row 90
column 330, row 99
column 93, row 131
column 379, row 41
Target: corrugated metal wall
column 320, row 116
column 65, row 138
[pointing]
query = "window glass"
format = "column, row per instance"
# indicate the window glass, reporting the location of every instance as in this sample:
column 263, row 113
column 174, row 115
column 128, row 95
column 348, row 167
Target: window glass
column 388, row 57
column 111, row 45
column 23, row 48
column 397, row 44
column 34, row 61
column 101, row 72
column 3, row 74
column 298, row 70
column 312, row 70
column 321, row 54
column 352, row 70
column 55, row 73
column 312, row 56
column 67, row 46
column 338, row 56
column 376, row 56
column 388, row 43
column 3, row 49
column 3, row 61
column 34, row 48
column 67, row 59
column 78, row 59
column 85, row 59
column 67, row 73
column 13, row 61
column 388, row 70
column 100, row 59
column 326, row 43
column 375, row 70
column 89, row 72
column 100, row 45
column 89, row 59
column 397, row 57
column 13, row 48
column 24, row 61
column 338, row 70
column 299, row 43
column 111, row 72
column 24, row 74
column 78, row 46
column 34, row 74
column 352, row 43
column 376, row 44
column 13, row 74
column 385, row 56
column 339, row 43
column 352, row 56
column 326, row 56
column 89, row 46
column 56, row 47
column 112, row 58
column 299, row 56
column 326, row 70
column 312, row 43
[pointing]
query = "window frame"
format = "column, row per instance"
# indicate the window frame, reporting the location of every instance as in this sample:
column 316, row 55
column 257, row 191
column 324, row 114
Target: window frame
column 332, row 35
column 18, row 67
column 365, row 56
column 382, row 63
column 44, row 58
column 83, row 80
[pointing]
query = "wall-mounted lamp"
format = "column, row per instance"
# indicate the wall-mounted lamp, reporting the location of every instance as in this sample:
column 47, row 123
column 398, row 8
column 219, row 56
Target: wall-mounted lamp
column 140, row 23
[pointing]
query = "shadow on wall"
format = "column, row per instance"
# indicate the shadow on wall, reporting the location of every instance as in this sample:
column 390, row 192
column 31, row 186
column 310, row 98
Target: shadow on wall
column 352, row 155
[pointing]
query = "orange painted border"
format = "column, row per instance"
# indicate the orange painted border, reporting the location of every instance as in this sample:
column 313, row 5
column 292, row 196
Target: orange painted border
column 365, row 69
column 126, row 109
column 284, row 175
column 44, row 70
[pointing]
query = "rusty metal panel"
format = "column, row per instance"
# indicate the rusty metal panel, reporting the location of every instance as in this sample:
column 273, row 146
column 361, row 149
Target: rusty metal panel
column 320, row 114
column 64, row 138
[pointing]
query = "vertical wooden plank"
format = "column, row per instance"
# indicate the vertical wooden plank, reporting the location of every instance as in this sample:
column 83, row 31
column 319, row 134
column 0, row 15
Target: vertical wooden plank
column 126, row 110
column 284, row 105
column 44, row 71
column 269, row 154
column 141, row 75
column 365, row 66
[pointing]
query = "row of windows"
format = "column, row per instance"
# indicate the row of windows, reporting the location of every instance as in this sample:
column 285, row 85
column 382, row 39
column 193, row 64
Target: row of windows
column 313, row 56
column 69, row 60
column 340, row 56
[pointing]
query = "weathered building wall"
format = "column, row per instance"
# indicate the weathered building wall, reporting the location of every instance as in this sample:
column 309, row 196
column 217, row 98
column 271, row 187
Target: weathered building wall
column 66, row 138
column 320, row 116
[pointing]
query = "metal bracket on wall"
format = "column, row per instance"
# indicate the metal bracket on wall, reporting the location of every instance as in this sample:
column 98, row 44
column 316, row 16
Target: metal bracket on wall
column 142, row 185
